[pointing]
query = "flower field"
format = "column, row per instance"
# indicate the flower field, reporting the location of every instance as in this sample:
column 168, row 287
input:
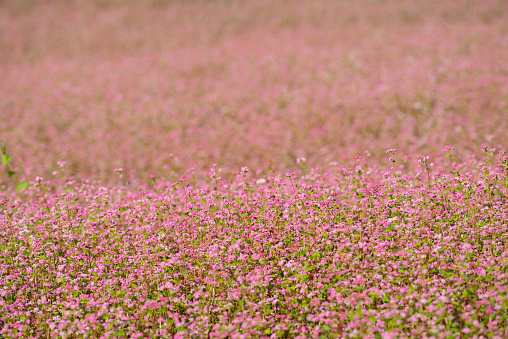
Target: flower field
column 355, row 252
column 227, row 169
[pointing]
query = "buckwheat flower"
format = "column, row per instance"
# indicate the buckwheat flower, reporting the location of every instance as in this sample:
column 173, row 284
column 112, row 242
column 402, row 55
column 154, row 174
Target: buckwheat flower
column 481, row 272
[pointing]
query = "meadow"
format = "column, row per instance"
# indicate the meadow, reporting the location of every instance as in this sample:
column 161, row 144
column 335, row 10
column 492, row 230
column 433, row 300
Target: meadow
column 253, row 169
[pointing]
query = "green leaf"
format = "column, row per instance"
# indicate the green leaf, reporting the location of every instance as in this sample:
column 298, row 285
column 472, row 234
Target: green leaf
column 5, row 159
column 23, row 185
column 10, row 173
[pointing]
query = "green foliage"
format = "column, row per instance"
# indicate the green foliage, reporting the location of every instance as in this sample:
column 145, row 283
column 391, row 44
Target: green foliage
column 22, row 185
column 5, row 158
column 11, row 172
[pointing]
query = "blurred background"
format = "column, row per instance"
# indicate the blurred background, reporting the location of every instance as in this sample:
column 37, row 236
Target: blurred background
column 133, row 84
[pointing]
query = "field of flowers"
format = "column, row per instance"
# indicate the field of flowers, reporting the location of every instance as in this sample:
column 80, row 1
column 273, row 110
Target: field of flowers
column 227, row 169
column 352, row 252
